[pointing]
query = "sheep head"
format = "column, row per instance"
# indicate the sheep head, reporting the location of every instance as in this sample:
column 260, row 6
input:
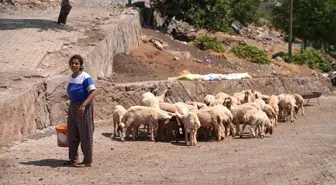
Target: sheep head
column 228, row 102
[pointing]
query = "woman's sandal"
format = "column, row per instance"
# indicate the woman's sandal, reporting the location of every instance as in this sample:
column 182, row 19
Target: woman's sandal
column 67, row 163
column 80, row 165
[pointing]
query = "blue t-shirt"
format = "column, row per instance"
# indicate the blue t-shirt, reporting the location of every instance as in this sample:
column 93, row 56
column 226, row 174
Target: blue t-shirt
column 78, row 88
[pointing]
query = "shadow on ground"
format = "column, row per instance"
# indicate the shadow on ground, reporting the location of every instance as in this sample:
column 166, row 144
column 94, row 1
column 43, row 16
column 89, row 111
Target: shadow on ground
column 41, row 24
column 54, row 163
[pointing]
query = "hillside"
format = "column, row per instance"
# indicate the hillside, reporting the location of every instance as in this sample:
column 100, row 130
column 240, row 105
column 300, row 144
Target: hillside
column 150, row 63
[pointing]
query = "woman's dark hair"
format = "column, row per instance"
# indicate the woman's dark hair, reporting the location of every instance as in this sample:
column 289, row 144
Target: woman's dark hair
column 80, row 59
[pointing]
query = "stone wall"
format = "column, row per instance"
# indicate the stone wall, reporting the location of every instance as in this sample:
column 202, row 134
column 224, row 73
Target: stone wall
column 129, row 94
column 122, row 37
column 23, row 114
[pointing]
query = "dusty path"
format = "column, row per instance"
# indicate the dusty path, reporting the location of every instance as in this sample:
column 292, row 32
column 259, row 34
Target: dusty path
column 300, row 153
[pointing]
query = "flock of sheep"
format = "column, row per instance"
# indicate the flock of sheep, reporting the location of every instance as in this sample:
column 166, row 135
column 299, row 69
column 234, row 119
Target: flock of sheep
column 220, row 115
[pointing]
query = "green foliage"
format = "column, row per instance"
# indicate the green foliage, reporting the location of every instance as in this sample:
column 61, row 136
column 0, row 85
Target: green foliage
column 214, row 15
column 209, row 14
column 314, row 59
column 246, row 11
column 252, row 53
column 229, row 31
column 278, row 54
column 331, row 50
column 263, row 19
column 207, row 42
column 313, row 20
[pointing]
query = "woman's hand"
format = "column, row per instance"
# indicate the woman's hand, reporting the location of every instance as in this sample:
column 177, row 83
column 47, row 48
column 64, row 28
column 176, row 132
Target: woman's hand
column 81, row 110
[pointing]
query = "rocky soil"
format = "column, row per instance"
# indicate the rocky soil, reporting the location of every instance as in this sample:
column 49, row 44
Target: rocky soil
column 302, row 152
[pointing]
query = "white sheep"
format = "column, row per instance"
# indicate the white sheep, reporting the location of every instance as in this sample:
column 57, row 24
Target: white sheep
column 209, row 118
column 238, row 111
column 192, row 124
column 174, row 124
column 244, row 97
column 221, row 95
column 299, row 101
column 208, row 99
column 287, row 106
column 273, row 102
column 117, row 115
column 216, row 102
column 256, row 119
column 141, row 115
column 258, row 94
column 226, row 118
column 189, row 121
column 259, row 102
column 198, row 105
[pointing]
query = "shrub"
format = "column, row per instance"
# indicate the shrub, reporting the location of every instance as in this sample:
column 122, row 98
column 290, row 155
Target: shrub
column 207, row 42
column 312, row 58
column 251, row 53
column 229, row 31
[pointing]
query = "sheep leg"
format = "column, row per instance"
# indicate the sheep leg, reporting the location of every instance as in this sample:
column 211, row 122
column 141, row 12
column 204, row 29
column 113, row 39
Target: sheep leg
column 302, row 109
column 194, row 136
column 134, row 131
column 292, row 114
column 191, row 137
column 151, row 128
column 219, row 133
column 262, row 128
column 222, row 131
column 252, row 130
column 237, row 129
column 280, row 113
column 185, row 135
column 256, row 131
column 231, row 131
column 114, row 129
column 242, row 131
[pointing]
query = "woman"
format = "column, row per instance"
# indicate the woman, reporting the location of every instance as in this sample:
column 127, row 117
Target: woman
column 65, row 10
column 81, row 91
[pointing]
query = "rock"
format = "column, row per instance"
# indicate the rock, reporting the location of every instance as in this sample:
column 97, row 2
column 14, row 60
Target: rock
column 237, row 26
column 158, row 43
column 176, row 58
column 279, row 59
column 186, row 54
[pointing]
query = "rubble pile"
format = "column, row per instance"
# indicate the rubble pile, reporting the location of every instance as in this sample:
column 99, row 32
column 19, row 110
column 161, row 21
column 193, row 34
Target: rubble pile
column 261, row 34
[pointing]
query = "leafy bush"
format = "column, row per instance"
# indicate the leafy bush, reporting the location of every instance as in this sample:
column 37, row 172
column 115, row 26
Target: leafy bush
column 331, row 50
column 207, row 42
column 229, row 31
column 312, row 58
column 278, row 54
column 252, row 53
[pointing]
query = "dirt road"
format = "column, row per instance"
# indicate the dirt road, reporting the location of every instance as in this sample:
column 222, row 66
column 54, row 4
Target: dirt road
column 302, row 152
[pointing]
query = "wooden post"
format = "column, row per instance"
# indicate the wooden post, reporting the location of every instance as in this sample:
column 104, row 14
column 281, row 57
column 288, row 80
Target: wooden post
column 290, row 31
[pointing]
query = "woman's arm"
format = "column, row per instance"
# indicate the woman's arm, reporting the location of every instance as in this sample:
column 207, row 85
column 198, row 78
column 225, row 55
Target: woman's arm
column 92, row 94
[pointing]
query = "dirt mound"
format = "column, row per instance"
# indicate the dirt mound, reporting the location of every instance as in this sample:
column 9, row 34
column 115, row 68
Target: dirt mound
column 127, row 69
column 150, row 63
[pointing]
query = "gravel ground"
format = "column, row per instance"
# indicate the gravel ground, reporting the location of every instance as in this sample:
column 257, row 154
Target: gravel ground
column 302, row 152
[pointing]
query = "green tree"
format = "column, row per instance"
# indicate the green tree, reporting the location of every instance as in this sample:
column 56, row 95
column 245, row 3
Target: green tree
column 246, row 11
column 313, row 20
column 210, row 14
